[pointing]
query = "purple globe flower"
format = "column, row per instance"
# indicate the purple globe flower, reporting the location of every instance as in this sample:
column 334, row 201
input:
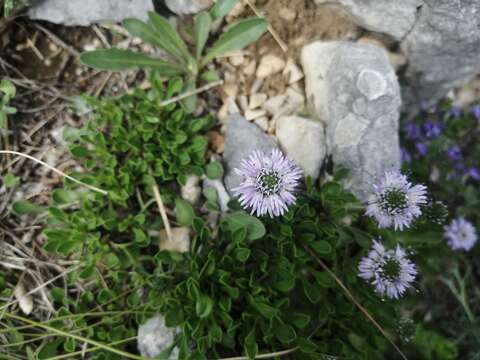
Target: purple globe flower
column 432, row 129
column 389, row 271
column 454, row 153
column 460, row 234
column 395, row 201
column 456, row 111
column 405, row 155
column 422, row 148
column 412, row 131
column 474, row 173
column 268, row 183
column 476, row 111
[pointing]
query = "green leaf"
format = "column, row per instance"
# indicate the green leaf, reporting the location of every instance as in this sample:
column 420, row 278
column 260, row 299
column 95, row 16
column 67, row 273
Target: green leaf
column 300, row 320
column 203, row 24
column 203, row 307
column 251, row 347
column 255, row 228
column 324, row 279
column 222, row 8
column 8, row 88
column 242, row 254
column 169, row 37
column 62, row 196
column 190, row 103
column 285, row 333
column 23, row 207
column 117, row 60
column 322, row 247
column 306, row 346
column 242, row 34
column 214, row 170
column 151, row 35
column 10, row 180
column 185, row 213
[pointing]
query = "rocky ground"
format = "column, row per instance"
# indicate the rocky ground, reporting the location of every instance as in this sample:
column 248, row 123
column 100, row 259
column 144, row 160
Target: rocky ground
column 322, row 84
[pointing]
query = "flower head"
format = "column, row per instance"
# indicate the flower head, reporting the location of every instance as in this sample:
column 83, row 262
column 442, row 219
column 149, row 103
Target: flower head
column 395, row 201
column 454, row 153
column 412, row 131
column 432, row 129
column 474, row 173
column 390, row 271
column 460, row 234
column 268, row 184
column 422, row 148
column 476, row 111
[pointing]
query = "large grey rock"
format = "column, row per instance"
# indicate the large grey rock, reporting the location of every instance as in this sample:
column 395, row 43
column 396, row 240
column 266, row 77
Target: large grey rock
column 354, row 90
column 443, row 48
column 182, row 7
column 87, row 12
column 303, row 141
column 391, row 17
column 154, row 337
column 241, row 139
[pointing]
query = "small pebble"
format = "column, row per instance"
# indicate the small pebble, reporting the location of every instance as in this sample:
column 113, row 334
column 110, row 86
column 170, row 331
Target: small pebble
column 269, row 65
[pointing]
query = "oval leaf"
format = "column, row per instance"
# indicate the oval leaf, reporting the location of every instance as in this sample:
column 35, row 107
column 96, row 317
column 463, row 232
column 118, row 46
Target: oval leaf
column 185, row 213
column 203, row 24
column 241, row 34
column 203, row 307
column 23, row 207
column 117, row 60
column 222, row 8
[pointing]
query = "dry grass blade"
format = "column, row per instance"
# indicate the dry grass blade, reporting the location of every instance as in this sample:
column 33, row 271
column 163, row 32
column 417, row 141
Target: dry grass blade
column 263, row 356
column 354, row 300
column 54, row 170
column 190, row 93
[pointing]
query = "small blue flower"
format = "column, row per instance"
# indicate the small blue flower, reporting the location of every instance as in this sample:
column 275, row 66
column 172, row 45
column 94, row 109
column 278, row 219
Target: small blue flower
column 395, row 201
column 454, row 153
column 474, row 173
column 412, row 131
column 389, row 271
column 269, row 183
column 456, row 111
column 432, row 129
column 405, row 155
column 460, row 234
column 422, row 148
column 476, row 111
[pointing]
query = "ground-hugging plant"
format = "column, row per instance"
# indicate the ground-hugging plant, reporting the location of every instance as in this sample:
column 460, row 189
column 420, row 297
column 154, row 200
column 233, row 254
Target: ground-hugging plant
column 441, row 149
column 179, row 59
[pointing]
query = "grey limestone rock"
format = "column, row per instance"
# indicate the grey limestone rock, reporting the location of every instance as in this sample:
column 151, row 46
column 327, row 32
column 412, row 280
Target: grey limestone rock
column 303, row 141
column 390, row 17
column 87, row 12
column 241, row 139
column 443, row 47
column 353, row 89
column 182, row 7
column 154, row 337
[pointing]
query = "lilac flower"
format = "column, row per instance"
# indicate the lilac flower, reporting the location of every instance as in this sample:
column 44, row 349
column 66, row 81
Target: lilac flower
column 422, row 148
column 395, row 201
column 412, row 131
column 456, row 111
column 390, row 271
column 268, row 184
column 474, row 173
column 454, row 153
column 476, row 111
column 432, row 129
column 405, row 155
column 460, row 234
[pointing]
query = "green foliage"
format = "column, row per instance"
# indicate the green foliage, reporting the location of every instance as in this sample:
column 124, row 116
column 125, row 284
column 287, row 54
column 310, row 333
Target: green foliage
column 9, row 6
column 7, row 93
column 160, row 33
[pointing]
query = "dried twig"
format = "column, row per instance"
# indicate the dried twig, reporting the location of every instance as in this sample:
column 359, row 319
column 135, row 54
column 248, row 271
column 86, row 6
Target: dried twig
column 354, row 300
column 163, row 212
column 190, row 93
column 263, row 356
column 91, row 187
column 271, row 30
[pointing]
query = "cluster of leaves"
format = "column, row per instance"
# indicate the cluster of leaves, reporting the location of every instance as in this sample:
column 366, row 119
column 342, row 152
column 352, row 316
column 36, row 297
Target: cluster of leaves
column 9, row 6
column 161, row 34
column 452, row 178
column 7, row 93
